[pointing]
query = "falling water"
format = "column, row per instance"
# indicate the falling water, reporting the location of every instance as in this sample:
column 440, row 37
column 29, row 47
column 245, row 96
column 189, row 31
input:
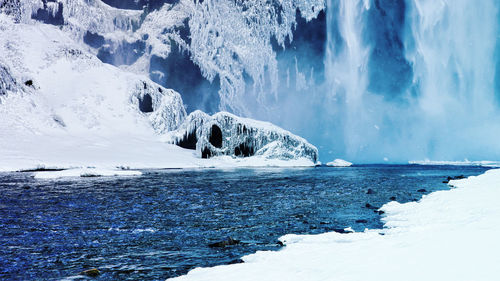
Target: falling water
column 448, row 109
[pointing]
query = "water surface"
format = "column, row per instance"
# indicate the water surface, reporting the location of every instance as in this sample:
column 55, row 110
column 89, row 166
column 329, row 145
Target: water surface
column 159, row 225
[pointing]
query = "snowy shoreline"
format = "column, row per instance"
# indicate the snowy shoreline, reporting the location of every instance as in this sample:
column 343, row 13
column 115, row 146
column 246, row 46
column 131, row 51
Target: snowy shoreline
column 48, row 171
column 447, row 235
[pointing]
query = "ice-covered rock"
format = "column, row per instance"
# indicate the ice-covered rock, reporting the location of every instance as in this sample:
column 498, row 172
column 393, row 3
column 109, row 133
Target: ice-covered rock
column 226, row 134
column 7, row 82
column 339, row 163
column 163, row 106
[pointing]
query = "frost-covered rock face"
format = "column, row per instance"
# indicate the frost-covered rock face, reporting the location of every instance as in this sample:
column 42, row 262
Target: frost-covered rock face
column 48, row 81
column 226, row 134
column 231, row 42
column 163, row 107
column 7, row 82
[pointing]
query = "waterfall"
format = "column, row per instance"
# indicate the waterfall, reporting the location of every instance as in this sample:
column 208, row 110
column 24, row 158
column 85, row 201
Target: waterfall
column 447, row 107
column 346, row 62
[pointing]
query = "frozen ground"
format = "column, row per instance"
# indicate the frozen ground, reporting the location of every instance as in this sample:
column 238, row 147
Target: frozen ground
column 447, row 235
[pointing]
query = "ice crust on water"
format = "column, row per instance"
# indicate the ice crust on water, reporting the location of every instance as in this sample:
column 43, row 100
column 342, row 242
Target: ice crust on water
column 447, row 235
column 226, row 134
column 85, row 172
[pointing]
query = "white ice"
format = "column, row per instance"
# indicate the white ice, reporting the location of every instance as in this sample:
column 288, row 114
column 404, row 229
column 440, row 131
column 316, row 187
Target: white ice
column 447, row 235
column 339, row 163
column 85, row 172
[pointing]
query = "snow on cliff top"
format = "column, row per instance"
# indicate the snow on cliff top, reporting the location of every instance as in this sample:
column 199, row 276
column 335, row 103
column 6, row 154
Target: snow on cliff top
column 447, row 235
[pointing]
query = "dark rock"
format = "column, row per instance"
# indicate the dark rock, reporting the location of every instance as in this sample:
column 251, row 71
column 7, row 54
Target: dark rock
column 244, row 150
column 146, row 103
column 280, row 244
column 393, row 198
column 370, row 191
column 228, row 242
column 236, row 261
column 29, row 83
column 379, row 212
column 448, row 179
column 189, row 141
column 369, row 206
column 422, row 190
column 94, row 272
column 206, row 153
column 361, row 221
column 40, row 169
column 341, row 230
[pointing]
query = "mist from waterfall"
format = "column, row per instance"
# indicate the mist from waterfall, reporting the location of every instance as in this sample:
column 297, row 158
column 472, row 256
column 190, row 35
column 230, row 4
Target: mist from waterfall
column 409, row 80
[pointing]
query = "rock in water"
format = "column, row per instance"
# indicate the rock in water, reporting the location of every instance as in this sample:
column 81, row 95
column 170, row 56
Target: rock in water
column 422, row 190
column 228, row 242
column 370, row 191
column 94, row 272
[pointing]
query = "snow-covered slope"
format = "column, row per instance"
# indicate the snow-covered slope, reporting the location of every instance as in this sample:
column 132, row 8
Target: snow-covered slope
column 60, row 106
column 448, row 235
column 226, row 134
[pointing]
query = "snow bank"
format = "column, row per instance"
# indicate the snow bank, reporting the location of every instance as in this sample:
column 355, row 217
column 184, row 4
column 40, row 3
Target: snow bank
column 339, row 163
column 448, row 235
column 226, row 134
column 457, row 163
column 85, row 172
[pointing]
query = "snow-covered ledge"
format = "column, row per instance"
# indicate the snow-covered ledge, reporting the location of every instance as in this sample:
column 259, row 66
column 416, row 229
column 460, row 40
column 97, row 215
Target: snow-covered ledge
column 447, row 235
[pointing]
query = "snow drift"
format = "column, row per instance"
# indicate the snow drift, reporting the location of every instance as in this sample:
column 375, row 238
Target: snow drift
column 226, row 134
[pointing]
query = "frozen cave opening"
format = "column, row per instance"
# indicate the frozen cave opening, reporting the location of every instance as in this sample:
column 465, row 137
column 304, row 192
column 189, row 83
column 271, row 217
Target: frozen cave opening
column 146, row 103
column 216, row 136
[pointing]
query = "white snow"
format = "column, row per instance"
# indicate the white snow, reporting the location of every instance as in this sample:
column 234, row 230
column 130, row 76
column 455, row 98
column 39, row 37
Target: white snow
column 447, row 235
column 80, row 112
column 85, row 172
column 339, row 163
column 465, row 162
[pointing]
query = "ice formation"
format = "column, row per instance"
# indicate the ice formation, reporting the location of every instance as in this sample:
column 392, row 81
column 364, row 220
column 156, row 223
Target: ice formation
column 228, row 40
column 226, row 134
column 62, row 107
column 339, row 163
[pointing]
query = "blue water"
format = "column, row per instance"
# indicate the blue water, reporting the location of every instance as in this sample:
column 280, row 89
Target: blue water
column 159, row 225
